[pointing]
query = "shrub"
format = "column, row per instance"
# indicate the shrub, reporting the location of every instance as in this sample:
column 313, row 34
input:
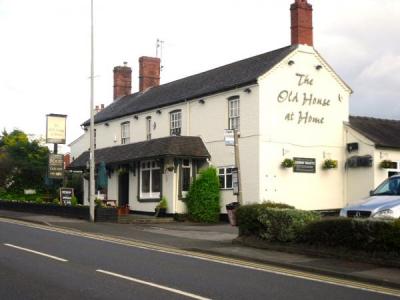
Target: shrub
column 39, row 200
column 284, row 225
column 56, row 201
column 163, row 204
column 248, row 216
column 357, row 234
column 74, row 201
column 203, row 199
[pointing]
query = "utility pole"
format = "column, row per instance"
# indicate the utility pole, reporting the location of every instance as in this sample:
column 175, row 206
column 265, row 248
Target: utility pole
column 92, row 161
column 237, row 163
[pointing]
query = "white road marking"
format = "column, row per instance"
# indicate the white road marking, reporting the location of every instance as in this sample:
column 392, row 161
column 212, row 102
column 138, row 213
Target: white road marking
column 36, row 252
column 216, row 259
column 162, row 287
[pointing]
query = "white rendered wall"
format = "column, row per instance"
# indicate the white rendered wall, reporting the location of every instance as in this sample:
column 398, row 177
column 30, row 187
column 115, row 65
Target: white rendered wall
column 284, row 134
column 359, row 180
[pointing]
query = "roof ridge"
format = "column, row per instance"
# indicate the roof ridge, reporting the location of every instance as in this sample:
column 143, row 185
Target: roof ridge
column 375, row 118
column 226, row 65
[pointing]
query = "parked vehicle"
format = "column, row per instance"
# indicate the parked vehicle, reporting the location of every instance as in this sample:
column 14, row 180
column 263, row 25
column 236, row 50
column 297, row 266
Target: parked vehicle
column 384, row 202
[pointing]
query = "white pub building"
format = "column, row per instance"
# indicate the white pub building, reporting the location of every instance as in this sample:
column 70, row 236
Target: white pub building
column 289, row 106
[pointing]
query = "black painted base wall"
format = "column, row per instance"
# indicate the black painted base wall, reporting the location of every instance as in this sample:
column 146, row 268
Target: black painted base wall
column 106, row 214
column 78, row 212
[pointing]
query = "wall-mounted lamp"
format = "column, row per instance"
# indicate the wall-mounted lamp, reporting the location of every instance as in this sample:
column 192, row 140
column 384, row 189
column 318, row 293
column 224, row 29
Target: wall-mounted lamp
column 201, row 101
column 319, row 67
column 247, row 90
column 106, row 124
column 136, row 117
column 290, row 62
column 158, row 111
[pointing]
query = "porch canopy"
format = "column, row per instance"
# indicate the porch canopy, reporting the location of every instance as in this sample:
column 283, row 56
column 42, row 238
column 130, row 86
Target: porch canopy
column 172, row 146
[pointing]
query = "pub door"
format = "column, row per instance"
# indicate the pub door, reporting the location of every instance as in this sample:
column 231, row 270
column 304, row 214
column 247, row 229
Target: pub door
column 123, row 189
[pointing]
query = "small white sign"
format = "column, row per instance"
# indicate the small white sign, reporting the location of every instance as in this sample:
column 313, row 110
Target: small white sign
column 229, row 136
column 235, row 181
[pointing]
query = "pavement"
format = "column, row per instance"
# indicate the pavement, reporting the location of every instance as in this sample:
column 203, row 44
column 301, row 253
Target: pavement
column 218, row 240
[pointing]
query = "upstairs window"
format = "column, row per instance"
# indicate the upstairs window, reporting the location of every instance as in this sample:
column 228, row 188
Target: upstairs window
column 175, row 122
column 148, row 128
column 125, row 133
column 234, row 112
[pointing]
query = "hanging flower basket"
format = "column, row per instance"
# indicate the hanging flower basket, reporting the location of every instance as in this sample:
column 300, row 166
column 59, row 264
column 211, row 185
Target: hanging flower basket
column 287, row 163
column 329, row 164
column 387, row 164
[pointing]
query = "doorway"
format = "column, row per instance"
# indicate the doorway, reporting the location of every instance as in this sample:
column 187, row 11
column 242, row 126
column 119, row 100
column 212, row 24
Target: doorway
column 123, row 189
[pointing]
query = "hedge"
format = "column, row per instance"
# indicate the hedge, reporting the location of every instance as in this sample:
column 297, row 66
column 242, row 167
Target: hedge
column 358, row 234
column 248, row 216
column 284, row 225
column 203, row 199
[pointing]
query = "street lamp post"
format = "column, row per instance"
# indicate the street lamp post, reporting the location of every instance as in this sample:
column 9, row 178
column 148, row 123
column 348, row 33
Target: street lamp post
column 92, row 161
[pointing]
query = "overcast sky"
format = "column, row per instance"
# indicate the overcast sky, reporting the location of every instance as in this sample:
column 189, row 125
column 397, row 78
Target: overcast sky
column 45, row 49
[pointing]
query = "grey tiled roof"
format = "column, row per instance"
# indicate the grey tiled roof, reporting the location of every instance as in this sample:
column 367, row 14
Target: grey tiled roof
column 172, row 146
column 382, row 132
column 234, row 75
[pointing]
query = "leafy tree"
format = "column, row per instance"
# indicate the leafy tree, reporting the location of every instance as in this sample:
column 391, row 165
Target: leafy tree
column 24, row 162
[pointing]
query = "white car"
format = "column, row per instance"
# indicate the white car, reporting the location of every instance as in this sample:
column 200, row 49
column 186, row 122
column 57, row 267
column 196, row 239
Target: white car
column 384, row 202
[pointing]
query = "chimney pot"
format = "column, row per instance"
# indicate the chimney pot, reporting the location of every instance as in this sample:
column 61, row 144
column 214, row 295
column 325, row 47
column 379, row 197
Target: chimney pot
column 149, row 72
column 301, row 23
column 122, row 81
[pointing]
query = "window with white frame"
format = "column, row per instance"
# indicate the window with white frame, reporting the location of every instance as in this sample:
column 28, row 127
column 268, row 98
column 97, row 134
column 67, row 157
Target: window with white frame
column 225, row 177
column 175, row 122
column 125, row 133
column 186, row 176
column 150, row 179
column 234, row 113
column 148, row 128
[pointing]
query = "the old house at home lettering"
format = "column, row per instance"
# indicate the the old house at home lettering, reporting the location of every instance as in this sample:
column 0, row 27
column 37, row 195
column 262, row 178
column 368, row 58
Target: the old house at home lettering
column 305, row 100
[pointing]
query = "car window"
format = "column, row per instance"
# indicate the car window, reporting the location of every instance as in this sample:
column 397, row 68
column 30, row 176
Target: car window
column 390, row 186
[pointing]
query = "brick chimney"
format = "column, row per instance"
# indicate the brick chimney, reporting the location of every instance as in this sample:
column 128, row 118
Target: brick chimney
column 122, row 81
column 301, row 23
column 149, row 72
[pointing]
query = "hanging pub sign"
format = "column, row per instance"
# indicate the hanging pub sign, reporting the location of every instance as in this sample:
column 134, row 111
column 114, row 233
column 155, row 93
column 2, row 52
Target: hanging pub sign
column 235, row 181
column 66, row 195
column 56, row 166
column 229, row 137
column 55, row 128
column 304, row 165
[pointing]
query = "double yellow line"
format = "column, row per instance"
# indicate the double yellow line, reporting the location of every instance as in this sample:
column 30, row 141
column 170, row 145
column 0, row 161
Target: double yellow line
column 215, row 258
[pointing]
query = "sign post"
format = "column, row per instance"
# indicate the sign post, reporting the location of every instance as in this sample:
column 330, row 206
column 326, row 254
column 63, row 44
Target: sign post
column 56, row 134
column 231, row 137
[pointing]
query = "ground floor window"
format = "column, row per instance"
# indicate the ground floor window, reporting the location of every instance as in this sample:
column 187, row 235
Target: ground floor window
column 186, row 176
column 225, row 177
column 150, row 179
column 394, row 169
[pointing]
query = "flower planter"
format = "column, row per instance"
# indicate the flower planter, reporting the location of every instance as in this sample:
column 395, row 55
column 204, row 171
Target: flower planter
column 123, row 211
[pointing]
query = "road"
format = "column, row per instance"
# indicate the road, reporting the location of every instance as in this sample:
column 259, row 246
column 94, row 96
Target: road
column 40, row 263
